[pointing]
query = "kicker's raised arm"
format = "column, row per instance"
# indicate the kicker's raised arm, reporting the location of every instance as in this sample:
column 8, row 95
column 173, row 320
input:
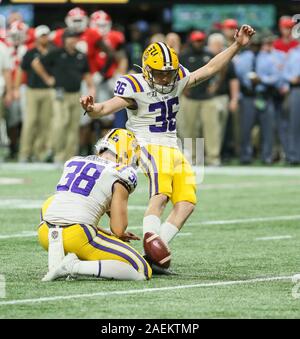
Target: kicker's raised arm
column 242, row 38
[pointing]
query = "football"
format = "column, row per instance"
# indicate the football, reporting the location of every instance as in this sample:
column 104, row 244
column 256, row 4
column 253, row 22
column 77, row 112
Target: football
column 157, row 250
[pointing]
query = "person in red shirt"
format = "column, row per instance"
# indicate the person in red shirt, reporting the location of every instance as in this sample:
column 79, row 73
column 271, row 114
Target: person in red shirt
column 286, row 42
column 101, row 21
column 30, row 33
column 16, row 38
column 90, row 41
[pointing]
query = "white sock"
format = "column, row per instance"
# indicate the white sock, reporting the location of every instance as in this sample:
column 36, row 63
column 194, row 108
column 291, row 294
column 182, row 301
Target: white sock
column 168, row 232
column 91, row 268
column 151, row 223
column 107, row 269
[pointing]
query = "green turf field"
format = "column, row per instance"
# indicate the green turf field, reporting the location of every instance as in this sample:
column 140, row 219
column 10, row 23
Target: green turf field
column 234, row 258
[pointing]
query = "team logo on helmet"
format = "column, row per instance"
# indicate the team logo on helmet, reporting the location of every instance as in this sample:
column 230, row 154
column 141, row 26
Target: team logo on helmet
column 123, row 144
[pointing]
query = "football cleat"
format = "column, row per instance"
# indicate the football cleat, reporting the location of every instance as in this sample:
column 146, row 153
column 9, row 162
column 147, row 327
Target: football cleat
column 63, row 269
column 158, row 269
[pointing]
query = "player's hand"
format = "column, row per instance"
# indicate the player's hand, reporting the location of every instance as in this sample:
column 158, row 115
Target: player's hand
column 87, row 103
column 50, row 81
column 127, row 236
column 243, row 35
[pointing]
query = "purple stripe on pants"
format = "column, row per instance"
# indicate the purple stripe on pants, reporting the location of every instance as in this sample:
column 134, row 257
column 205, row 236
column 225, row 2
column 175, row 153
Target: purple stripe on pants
column 103, row 237
column 107, row 249
column 150, row 157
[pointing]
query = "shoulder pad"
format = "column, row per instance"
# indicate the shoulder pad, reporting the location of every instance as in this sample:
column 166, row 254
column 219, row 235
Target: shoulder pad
column 127, row 86
column 182, row 72
column 127, row 176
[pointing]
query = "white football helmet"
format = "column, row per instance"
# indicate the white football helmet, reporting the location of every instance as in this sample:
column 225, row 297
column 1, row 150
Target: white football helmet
column 17, row 32
column 77, row 19
column 101, row 21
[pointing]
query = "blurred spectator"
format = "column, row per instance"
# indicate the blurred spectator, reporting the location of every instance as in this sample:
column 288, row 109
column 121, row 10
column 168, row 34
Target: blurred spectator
column 115, row 40
column 135, row 46
column 224, row 87
column 100, row 58
column 202, row 112
column 6, row 93
column 259, row 74
column 280, row 95
column 68, row 68
column 157, row 37
column 16, row 16
column 229, row 27
column 173, row 40
column 38, row 113
column 292, row 75
column 16, row 41
column 286, row 41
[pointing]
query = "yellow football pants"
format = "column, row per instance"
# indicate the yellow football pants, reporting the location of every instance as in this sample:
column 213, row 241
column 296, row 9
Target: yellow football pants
column 88, row 243
column 169, row 173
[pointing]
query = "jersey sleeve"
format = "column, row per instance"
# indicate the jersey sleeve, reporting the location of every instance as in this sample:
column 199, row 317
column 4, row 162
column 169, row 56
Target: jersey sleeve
column 127, row 176
column 128, row 86
column 183, row 78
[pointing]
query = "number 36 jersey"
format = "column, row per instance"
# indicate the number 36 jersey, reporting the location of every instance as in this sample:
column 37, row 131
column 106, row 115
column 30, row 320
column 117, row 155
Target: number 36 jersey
column 154, row 120
column 84, row 191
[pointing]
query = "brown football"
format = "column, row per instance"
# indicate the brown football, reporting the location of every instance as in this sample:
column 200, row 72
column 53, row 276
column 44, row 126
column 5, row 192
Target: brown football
column 157, row 250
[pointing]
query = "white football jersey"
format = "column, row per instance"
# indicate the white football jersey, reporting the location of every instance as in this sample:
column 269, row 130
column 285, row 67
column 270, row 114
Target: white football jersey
column 84, row 191
column 154, row 120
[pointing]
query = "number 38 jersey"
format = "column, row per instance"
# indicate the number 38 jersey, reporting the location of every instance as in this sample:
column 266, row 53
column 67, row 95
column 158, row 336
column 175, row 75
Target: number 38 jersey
column 154, row 120
column 84, row 191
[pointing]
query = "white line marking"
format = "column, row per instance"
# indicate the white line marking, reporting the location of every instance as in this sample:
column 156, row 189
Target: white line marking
column 242, row 185
column 12, row 181
column 237, row 221
column 191, row 224
column 183, row 234
column 145, row 290
column 245, row 221
column 278, row 237
column 18, row 235
column 249, row 171
column 230, row 170
column 37, row 204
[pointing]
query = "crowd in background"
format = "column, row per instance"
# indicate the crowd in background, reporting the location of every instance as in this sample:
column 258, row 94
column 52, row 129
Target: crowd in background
column 248, row 111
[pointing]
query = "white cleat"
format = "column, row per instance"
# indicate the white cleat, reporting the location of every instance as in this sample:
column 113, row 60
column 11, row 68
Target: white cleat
column 63, row 269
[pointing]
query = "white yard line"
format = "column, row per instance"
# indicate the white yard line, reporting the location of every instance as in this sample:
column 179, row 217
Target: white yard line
column 249, row 171
column 209, row 222
column 277, row 237
column 18, row 235
column 37, row 204
column 12, row 181
column 184, row 234
column 144, row 290
column 246, row 221
column 243, row 185
column 226, row 170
